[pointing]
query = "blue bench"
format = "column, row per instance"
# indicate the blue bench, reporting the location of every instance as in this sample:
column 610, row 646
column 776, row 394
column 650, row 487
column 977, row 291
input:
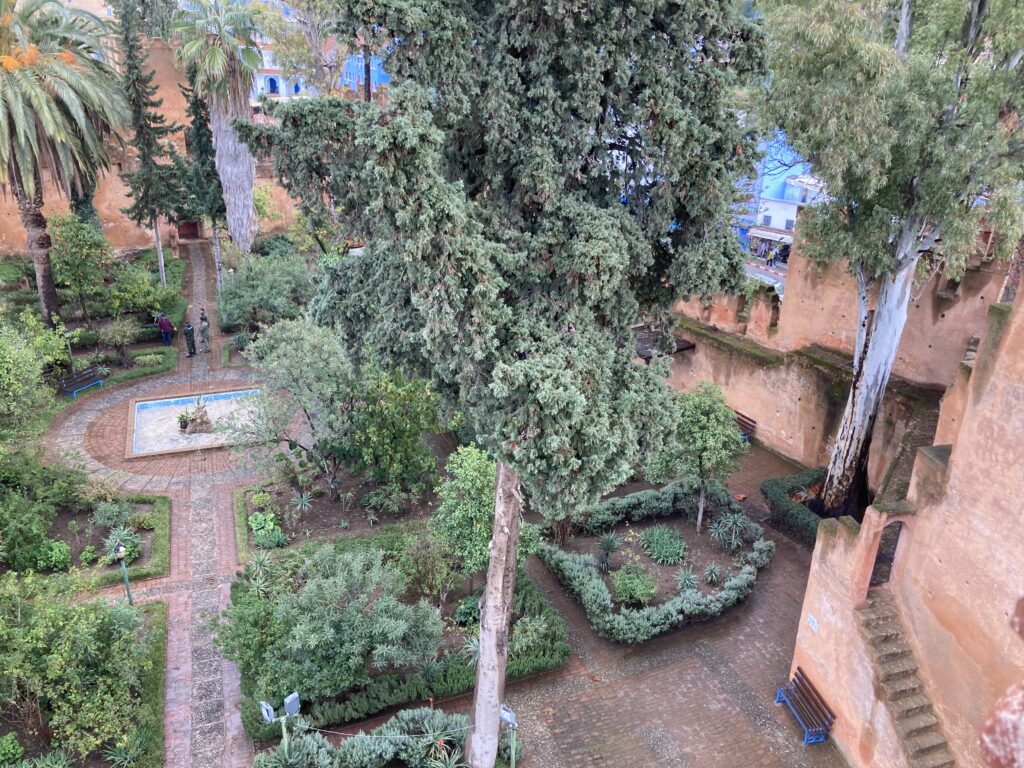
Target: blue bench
column 76, row 382
column 807, row 705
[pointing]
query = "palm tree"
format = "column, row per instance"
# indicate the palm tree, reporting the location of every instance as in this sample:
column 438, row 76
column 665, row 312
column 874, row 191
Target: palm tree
column 219, row 40
column 58, row 102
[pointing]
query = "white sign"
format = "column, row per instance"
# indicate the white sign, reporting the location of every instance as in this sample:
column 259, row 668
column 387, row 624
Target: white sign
column 812, row 622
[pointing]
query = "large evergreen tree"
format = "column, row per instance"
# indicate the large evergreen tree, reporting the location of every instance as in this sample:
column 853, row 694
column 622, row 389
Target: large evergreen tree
column 203, row 197
column 520, row 218
column 911, row 113
column 154, row 186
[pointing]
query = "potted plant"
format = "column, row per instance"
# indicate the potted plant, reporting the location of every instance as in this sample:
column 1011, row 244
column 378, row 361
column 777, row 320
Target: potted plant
column 183, row 420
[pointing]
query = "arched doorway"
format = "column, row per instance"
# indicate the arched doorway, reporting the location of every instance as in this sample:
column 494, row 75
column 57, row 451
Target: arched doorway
column 272, row 86
column 886, row 555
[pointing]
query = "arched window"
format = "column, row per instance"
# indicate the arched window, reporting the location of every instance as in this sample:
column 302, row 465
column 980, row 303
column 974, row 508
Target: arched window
column 296, row 88
column 272, row 86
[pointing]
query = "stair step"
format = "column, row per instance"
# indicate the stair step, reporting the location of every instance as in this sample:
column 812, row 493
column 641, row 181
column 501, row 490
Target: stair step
column 877, row 614
column 891, row 650
column 897, row 668
column 902, row 686
column 938, row 758
column 916, row 725
column 883, row 633
column 926, row 742
column 908, row 706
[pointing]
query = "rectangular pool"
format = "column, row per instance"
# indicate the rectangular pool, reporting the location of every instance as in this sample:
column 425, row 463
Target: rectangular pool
column 154, row 423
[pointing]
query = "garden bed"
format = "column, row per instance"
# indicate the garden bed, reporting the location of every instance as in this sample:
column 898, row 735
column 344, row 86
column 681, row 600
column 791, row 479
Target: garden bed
column 786, row 497
column 449, row 669
column 657, row 574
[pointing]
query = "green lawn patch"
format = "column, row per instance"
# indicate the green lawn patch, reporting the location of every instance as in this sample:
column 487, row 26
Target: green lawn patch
column 151, row 694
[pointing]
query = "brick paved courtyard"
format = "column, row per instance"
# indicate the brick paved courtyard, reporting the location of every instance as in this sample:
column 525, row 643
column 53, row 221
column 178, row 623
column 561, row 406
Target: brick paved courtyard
column 698, row 698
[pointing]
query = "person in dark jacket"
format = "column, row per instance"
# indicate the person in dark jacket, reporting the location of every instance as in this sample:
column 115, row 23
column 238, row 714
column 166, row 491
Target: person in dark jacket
column 190, row 339
column 166, row 328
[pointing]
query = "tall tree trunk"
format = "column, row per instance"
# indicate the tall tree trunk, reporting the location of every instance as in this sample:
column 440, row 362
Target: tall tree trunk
column 235, row 163
column 30, row 209
column 367, row 90
column 845, row 491
column 85, row 310
column 159, row 251
column 1013, row 276
column 700, row 507
column 215, row 239
column 495, row 622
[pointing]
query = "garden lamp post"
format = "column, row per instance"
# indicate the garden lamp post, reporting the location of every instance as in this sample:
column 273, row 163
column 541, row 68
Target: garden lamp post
column 119, row 554
column 291, row 708
column 508, row 717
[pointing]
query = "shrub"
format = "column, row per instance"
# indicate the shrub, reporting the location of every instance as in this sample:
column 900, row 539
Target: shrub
column 686, row 579
column 712, row 573
column 59, row 758
column 54, row 555
column 118, row 335
column 266, row 289
column 731, row 530
column 88, row 555
column 126, row 753
column 788, row 514
column 664, row 545
column 10, row 749
column 129, row 538
column 262, row 500
column 468, row 611
column 24, row 526
column 241, row 340
column 266, row 532
column 111, row 514
column 675, row 498
column 149, row 361
column 633, row 585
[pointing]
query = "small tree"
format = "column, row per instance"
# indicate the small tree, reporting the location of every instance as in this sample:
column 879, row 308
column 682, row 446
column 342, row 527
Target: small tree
column 464, row 517
column 80, row 257
column 265, row 290
column 119, row 334
column 706, row 445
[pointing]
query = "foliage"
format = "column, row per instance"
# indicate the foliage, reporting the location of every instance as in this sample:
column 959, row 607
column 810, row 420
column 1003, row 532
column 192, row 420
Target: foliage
column 787, row 513
column 429, row 568
column 54, row 555
column 265, row 290
column 712, row 573
column 203, row 196
column 686, row 579
column 111, row 514
column 664, row 545
column 732, row 529
column 633, row 585
column 345, row 619
column 80, row 257
column 136, row 290
column 266, row 531
column 580, row 575
column 88, row 556
column 680, row 497
column 118, row 334
column 607, row 544
column 10, row 749
column 59, row 758
column 149, row 361
column 23, row 394
column 129, row 751
column 78, row 663
column 416, row 738
column 127, row 537
column 463, row 519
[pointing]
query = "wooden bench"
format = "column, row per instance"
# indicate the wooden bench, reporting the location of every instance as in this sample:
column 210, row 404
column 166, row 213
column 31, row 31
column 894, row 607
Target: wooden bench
column 807, row 705
column 76, row 382
column 746, row 425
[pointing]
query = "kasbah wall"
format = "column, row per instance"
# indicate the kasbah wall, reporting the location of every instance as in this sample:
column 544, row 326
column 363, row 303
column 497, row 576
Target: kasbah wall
column 958, row 572
column 111, row 194
column 787, row 366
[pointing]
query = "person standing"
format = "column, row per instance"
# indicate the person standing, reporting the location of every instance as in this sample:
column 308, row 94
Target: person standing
column 166, row 328
column 204, row 329
column 190, row 339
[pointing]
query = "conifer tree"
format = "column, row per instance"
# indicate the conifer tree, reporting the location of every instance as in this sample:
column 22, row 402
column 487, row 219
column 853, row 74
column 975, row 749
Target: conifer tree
column 154, row 186
column 911, row 113
column 203, row 197
column 521, row 217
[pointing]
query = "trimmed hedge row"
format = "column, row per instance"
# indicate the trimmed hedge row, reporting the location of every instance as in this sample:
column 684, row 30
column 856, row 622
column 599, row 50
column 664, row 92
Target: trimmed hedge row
column 792, row 515
column 451, row 675
column 674, row 498
column 151, row 693
column 580, row 575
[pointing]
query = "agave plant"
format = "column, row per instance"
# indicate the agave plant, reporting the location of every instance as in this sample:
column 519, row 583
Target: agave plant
column 609, row 543
column 686, row 579
column 712, row 573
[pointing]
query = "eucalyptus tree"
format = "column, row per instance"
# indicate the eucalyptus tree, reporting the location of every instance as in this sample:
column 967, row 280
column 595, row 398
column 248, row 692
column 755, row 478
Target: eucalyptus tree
column 219, row 40
column 911, row 113
column 155, row 186
column 60, row 101
column 540, row 181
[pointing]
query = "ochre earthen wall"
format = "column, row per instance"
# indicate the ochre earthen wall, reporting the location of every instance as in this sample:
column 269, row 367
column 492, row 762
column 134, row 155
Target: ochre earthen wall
column 796, row 404
column 963, row 571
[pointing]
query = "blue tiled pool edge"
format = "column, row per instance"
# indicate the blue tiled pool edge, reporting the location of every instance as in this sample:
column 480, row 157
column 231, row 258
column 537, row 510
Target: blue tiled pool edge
column 171, row 402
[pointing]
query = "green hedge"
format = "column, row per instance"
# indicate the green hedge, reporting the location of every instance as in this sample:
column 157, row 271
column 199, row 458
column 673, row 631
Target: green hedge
column 451, row 675
column 675, row 498
column 580, row 575
column 788, row 514
column 169, row 364
column 151, row 694
column 158, row 521
column 242, row 548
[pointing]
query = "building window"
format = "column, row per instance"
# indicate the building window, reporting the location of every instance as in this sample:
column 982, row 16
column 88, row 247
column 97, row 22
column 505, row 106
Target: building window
column 272, row 87
column 789, row 225
column 766, row 221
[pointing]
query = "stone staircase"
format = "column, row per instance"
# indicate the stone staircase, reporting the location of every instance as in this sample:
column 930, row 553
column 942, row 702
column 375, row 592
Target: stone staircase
column 900, row 686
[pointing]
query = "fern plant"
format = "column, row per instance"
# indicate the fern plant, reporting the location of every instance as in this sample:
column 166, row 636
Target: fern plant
column 664, row 545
